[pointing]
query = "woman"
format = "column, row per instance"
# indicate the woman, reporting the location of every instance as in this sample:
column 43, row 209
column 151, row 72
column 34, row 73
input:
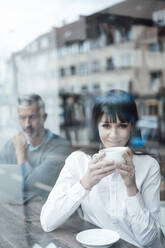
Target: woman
column 121, row 197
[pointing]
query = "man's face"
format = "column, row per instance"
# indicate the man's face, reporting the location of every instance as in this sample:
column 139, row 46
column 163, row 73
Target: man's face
column 31, row 120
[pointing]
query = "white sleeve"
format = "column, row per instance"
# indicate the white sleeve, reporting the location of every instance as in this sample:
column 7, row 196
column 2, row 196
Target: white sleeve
column 65, row 197
column 143, row 209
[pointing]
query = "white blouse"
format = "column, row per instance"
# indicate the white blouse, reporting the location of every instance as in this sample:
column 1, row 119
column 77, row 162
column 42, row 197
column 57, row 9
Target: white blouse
column 107, row 205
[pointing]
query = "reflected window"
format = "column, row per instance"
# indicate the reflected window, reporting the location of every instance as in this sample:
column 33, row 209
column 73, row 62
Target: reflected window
column 122, row 34
column 153, row 109
column 96, row 88
column 73, row 70
column 155, row 80
column 110, row 64
column 95, row 44
column 159, row 16
column 62, row 72
column 126, row 60
column 83, row 69
column 67, row 33
column 128, row 34
column 117, row 36
column 74, row 49
column 155, row 47
column 62, row 51
column 152, row 106
column 84, row 89
column 84, row 46
column 95, row 66
column 108, row 33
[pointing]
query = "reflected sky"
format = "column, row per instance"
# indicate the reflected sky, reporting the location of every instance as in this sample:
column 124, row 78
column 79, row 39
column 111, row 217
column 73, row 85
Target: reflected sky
column 39, row 17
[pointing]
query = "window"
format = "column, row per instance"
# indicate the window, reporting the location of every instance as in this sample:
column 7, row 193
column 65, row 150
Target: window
column 95, row 44
column 62, row 72
column 110, row 64
column 109, row 37
column 108, row 32
column 126, row 33
column 122, row 34
column 153, row 109
column 96, row 88
column 84, row 46
column 73, row 70
column 95, row 66
column 74, row 49
column 83, row 69
column 159, row 17
column 155, row 47
column 117, row 36
column 62, row 51
column 67, row 33
column 156, row 80
column 84, row 89
column 126, row 60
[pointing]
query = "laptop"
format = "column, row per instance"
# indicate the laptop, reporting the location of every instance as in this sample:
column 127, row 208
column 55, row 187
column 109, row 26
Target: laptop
column 11, row 184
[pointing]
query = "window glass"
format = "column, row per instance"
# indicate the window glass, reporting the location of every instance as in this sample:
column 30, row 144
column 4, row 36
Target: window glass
column 70, row 52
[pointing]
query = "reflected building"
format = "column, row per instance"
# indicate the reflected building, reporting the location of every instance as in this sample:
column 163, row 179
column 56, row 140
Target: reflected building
column 7, row 103
column 119, row 47
column 34, row 71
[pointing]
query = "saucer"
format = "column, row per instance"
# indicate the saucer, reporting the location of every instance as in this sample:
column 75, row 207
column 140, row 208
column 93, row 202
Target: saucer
column 97, row 238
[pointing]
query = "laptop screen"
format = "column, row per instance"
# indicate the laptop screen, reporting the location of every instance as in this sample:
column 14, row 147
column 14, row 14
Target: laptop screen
column 11, row 184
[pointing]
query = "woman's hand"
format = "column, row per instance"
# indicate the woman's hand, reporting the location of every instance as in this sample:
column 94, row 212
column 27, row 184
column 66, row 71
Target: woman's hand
column 127, row 172
column 97, row 169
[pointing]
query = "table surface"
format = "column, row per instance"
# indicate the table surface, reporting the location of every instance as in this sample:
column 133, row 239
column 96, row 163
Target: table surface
column 20, row 228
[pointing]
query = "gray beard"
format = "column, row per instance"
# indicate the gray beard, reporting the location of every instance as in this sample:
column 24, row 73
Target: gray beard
column 34, row 134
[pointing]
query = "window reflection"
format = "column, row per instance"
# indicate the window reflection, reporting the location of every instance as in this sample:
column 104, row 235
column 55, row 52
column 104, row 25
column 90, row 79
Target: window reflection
column 121, row 47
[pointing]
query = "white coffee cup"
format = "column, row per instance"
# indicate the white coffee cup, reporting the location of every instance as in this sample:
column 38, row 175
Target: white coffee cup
column 114, row 153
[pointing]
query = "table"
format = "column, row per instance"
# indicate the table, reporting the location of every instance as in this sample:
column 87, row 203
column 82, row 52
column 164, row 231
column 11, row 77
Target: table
column 20, row 228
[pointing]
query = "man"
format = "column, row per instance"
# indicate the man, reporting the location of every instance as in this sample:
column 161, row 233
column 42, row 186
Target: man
column 38, row 151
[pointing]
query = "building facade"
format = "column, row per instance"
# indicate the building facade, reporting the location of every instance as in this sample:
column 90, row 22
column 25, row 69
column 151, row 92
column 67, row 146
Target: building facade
column 119, row 47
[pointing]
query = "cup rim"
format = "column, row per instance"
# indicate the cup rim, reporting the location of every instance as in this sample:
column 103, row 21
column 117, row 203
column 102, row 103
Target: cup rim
column 114, row 149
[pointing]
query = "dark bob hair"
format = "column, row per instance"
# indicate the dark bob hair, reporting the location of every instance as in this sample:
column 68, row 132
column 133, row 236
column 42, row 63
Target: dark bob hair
column 114, row 103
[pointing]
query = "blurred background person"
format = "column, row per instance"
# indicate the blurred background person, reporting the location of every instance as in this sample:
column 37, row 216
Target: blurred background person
column 38, row 151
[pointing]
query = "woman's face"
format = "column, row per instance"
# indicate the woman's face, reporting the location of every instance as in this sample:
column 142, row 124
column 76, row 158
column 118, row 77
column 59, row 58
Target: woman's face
column 113, row 134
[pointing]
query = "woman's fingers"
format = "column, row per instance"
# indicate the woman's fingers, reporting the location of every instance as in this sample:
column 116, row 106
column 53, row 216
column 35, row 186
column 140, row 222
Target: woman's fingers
column 125, row 169
column 97, row 157
column 97, row 161
column 101, row 165
column 106, row 169
column 128, row 156
column 126, row 173
column 105, row 174
column 97, row 170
